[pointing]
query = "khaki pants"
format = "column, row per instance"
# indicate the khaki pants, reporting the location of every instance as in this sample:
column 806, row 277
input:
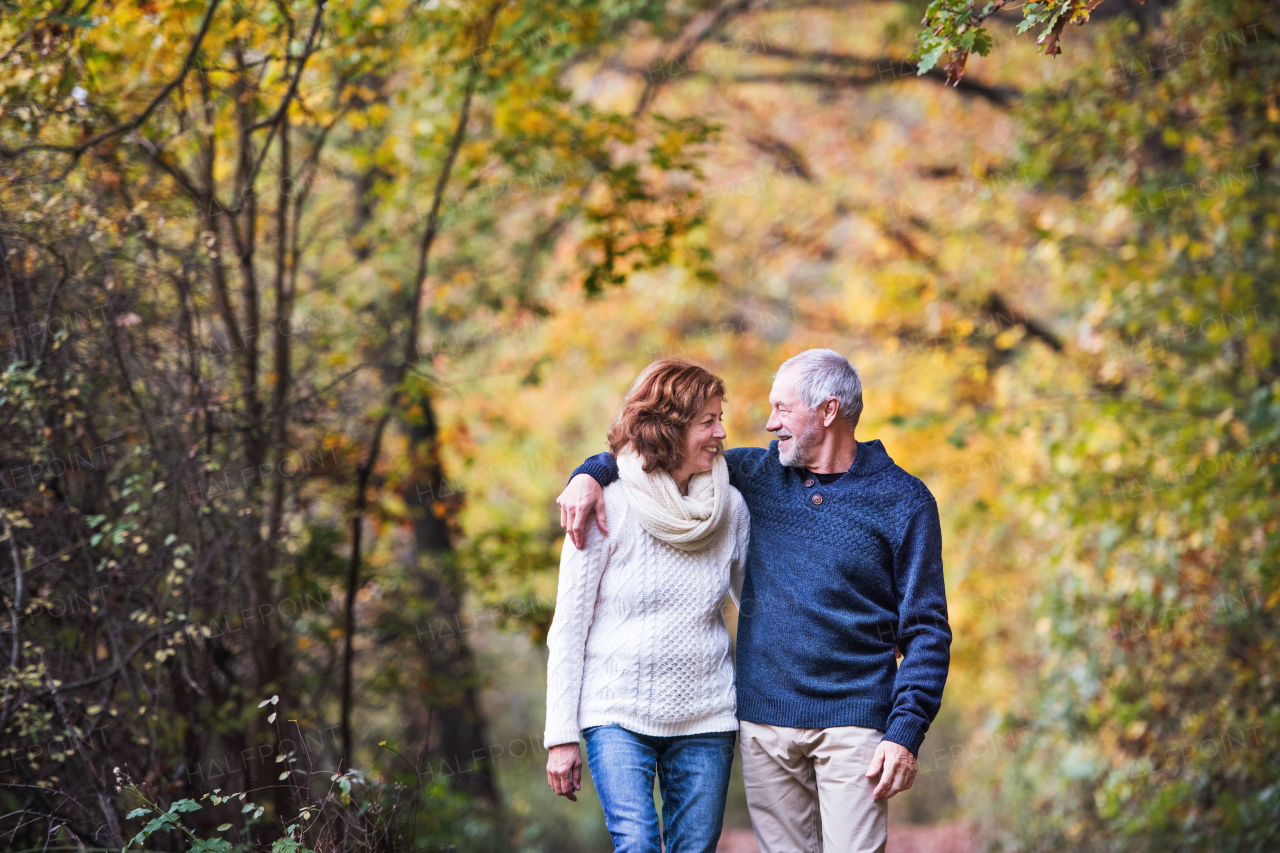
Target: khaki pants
column 808, row 791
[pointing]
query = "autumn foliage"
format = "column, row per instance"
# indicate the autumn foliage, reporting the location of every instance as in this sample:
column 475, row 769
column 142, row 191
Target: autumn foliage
column 310, row 308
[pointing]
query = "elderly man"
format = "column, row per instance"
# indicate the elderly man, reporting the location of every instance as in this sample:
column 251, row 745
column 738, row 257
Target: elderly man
column 844, row 568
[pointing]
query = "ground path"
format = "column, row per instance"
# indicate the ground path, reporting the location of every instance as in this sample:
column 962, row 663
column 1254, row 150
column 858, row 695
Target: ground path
column 955, row 837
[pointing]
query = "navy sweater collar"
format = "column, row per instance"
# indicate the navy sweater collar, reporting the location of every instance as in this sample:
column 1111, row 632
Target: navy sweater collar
column 872, row 458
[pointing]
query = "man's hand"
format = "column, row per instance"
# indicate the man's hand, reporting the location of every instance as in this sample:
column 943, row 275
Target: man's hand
column 898, row 766
column 582, row 497
column 564, row 770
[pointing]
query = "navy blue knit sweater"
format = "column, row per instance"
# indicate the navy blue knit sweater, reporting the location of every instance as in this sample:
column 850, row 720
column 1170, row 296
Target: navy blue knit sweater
column 836, row 576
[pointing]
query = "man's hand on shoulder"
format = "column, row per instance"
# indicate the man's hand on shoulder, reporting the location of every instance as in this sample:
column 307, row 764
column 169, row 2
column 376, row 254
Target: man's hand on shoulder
column 896, row 767
column 580, row 499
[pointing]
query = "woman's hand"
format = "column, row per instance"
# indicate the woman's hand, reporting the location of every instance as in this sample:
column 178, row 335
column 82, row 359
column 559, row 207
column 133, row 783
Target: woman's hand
column 564, row 770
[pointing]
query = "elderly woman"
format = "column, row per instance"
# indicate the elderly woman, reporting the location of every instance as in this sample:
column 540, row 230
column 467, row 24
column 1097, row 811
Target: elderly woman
column 639, row 656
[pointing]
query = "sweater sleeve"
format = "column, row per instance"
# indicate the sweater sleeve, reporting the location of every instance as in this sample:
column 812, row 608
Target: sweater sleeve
column 580, row 573
column 738, row 565
column 739, row 460
column 602, row 468
column 923, row 633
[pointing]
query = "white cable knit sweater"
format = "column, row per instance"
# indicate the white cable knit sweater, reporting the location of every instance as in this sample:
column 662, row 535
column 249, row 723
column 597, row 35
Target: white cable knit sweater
column 638, row 639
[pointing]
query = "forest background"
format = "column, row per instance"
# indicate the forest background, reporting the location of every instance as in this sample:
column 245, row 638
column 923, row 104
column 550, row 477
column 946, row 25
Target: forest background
column 310, row 308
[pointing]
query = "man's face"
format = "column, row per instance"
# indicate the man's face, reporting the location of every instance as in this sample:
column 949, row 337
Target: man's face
column 798, row 428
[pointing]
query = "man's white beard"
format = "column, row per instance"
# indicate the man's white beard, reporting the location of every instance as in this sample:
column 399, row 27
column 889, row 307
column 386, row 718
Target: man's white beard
column 798, row 453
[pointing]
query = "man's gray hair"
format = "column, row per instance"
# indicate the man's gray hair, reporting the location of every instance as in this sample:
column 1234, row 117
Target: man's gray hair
column 823, row 373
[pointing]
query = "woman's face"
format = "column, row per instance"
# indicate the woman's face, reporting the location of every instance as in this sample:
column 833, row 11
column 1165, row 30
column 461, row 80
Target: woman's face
column 702, row 442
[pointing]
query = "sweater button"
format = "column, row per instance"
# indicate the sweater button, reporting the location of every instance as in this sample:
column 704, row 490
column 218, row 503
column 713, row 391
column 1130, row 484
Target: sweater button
column 808, row 484
column 817, row 500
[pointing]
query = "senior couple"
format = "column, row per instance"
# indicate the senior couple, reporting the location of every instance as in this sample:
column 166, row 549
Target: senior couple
column 833, row 556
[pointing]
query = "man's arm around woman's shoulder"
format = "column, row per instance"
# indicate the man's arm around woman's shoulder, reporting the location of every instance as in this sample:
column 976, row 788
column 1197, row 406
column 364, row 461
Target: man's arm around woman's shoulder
column 584, row 496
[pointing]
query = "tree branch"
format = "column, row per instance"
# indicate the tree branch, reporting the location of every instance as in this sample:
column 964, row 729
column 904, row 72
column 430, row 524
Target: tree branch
column 867, row 72
column 275, row 120
column 695, row 33
column 999, row 96
column 410, row 355
column 134, row 123
column 31, row 28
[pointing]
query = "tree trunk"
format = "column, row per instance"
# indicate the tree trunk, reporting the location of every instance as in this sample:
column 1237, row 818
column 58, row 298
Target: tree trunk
column 458, row 751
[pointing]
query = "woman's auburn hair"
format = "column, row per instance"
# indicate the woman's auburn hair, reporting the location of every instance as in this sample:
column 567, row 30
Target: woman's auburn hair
column 663, row 403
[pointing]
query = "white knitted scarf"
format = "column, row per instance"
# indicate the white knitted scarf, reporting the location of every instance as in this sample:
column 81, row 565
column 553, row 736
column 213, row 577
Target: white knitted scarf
column 691, row 522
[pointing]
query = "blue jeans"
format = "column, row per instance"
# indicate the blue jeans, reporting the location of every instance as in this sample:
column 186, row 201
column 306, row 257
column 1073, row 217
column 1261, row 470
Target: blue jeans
column 693, row 777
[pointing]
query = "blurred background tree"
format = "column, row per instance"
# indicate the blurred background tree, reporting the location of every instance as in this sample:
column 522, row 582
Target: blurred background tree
column 1155, row 716
column 311, row 309
column 208, row 379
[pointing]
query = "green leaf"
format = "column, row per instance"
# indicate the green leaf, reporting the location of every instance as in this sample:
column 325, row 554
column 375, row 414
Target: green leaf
column 83, row 22
column 224, row 827
column 286, row 845
column 156, row 824
column 1029, row 20
column 186, row 806
column 930, row 59
column 139, row 812
column 211, row 845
